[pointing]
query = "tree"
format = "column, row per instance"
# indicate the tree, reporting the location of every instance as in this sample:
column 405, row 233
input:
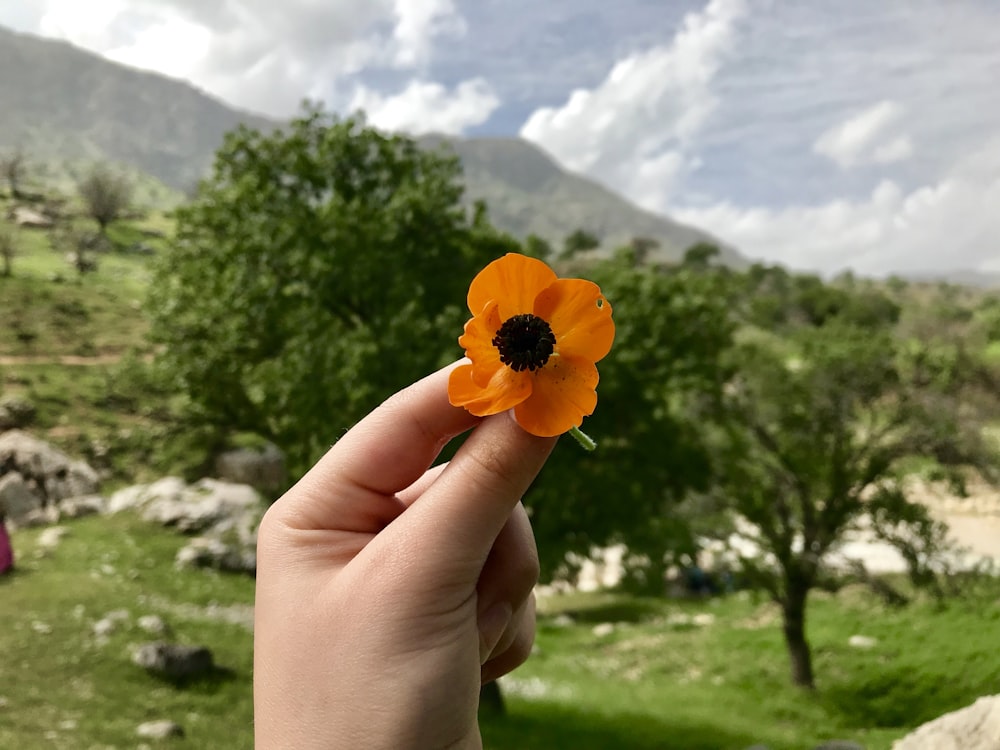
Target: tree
column 320, row 268
column 8, row 248
column 672, row 330
column 578, row 241
column 811, row 445
column 13, row 166
column 106, row 196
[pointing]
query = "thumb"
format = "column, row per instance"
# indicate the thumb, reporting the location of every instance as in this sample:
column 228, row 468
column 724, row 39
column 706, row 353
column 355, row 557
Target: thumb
column 471, row 500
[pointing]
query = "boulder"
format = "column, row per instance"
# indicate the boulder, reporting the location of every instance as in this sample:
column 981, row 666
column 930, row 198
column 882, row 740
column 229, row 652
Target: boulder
column 48, row 472
column 975, row 727
column 204, row 505
column 174, row 661
column 213, row 552
column 15, row 412
column 262, row 468
column 17, row 498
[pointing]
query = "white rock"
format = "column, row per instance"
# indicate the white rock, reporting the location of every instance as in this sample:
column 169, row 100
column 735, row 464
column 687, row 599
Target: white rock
column 160, row 729
column 862, row 641
column 975, row 727
column 604, row 629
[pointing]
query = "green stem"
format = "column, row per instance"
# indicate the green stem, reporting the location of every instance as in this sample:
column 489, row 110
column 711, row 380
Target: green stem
column 586, row 442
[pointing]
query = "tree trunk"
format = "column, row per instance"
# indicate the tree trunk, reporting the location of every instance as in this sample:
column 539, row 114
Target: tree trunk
column 794, row 614
column 491, row 699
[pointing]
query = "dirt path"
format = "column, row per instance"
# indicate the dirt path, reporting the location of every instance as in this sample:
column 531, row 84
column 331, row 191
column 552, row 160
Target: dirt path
column 59, row 359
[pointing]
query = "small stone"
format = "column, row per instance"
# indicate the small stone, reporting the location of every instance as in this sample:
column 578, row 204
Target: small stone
column 702, row 619
column 42, row 628
column 174, row 661
column 153, row 624
column 562, row 621
column 604, row 629
column 159, row 730
column 862, row 641
column 51, row 536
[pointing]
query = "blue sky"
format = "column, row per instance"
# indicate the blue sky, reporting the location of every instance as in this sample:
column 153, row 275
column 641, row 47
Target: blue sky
column 825, row 136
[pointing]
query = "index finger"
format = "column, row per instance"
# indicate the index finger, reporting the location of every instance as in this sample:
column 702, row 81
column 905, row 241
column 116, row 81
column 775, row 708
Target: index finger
column 383, row 454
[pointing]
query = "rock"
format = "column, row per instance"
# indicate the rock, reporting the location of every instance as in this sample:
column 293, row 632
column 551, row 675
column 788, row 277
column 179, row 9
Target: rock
column 51, row 537
column 16, row 412
column 77, row 507
column 48, row 472
column 211, row 552
column 17, row 499
column 604, row 629
column 131, row 498
column 703, row 619
column 154, row 625
column 174, row 661
column 975, row 727
column 159, row 730
column 862, row 641
column 262, row 469
column 191, row 509
column 562, row 621
column 109, row 623
column 29, row 218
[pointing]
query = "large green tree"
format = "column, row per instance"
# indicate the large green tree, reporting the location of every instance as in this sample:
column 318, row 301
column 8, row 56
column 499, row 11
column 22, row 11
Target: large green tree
column 318, row 269
column 813, row 440
column 673, row 328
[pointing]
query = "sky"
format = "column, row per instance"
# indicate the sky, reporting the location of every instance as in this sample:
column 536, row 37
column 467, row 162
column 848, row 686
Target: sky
column 821, row 135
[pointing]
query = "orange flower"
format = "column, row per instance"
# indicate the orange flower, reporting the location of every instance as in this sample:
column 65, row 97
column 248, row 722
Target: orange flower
column 533, row 340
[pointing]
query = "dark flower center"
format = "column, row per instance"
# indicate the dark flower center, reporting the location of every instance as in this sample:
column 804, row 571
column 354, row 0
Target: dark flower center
column 525, row 342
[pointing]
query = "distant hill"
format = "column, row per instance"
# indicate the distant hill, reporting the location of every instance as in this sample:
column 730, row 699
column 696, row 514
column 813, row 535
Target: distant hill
column 61, row 102
column 58, row 102
column 529, row 193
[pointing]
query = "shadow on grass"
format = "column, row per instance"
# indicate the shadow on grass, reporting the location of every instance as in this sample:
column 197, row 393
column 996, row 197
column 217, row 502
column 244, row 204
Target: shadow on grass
column 549, row 726
column 205, row 683
column 900, row 697
column 618, row 610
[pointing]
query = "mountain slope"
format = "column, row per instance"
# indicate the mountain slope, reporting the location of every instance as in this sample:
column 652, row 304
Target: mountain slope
column 58, row 102
column 529, row 193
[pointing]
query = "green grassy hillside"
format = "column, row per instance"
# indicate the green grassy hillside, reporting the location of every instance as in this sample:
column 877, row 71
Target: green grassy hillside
column 698, row 675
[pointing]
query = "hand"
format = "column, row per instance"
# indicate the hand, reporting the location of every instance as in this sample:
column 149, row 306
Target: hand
column 387, row 592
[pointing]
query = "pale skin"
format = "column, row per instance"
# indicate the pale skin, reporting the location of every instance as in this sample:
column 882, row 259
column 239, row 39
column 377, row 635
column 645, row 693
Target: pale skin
column 387, row 592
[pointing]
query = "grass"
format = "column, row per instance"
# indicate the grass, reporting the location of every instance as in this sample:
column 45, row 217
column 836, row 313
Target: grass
column 65, row 689
column 655, row 681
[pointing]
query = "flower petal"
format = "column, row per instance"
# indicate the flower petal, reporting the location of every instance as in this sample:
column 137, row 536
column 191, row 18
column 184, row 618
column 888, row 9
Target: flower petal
column 514, row 281
column 580, row 317
column 477, row 340
column 504, row 390
column 562, row 394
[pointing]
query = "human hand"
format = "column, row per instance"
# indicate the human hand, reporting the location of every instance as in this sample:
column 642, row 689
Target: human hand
column 387, row 592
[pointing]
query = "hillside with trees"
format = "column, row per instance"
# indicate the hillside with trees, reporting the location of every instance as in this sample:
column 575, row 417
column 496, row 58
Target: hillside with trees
column 322, row 265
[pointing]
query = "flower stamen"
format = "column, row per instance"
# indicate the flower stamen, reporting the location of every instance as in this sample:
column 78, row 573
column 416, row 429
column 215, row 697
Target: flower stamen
column 525, row 342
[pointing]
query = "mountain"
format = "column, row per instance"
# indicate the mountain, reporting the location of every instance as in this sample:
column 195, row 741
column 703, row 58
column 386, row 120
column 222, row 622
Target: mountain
column 529, row 193
column 58, row 102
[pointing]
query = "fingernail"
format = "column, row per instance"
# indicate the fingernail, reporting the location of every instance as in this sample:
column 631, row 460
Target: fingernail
column 492, row 624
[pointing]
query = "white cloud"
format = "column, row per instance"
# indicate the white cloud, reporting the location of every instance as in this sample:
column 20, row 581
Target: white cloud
column 417, row 23
column 258, row 54
column 951, row 223
column 424, row 107
column 635, row 130
column 868, row 137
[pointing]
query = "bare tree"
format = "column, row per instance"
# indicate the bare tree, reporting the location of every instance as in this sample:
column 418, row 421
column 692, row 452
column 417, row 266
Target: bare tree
column 13, row 166
column 106, row 196
column 8, row 248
